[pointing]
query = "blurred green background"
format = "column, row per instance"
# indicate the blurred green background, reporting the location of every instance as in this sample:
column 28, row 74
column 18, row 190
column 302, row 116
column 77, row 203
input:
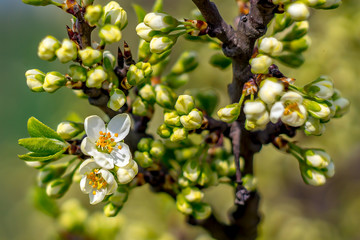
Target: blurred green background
column 291, row 210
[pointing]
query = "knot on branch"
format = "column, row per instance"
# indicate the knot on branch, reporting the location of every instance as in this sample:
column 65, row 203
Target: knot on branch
column 241, row 194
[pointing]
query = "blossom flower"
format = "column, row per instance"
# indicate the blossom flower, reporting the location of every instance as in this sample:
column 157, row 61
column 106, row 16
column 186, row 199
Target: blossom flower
column 105, row 143
column 97, row 182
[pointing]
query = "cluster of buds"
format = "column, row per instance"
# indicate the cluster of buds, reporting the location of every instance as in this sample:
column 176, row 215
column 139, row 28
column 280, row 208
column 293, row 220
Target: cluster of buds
column 38, row 81
column 148, row 151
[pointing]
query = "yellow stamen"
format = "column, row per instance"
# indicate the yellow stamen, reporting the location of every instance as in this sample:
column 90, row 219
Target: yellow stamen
column 120, row 147
column 116, row 134
column 94, row 193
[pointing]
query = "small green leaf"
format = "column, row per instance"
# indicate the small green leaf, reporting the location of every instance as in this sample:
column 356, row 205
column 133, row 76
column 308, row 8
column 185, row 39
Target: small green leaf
column 158, row 6
column 38, row 129
column 140, row 12
column 43, row 145
column 31, row 156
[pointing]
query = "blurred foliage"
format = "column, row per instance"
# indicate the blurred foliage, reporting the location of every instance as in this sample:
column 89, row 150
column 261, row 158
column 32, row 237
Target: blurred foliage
column 291, row 209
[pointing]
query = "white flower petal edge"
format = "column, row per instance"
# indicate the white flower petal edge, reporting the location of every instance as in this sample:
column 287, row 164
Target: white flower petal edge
column 93, row 125
column 121, row 156
column 120, row 124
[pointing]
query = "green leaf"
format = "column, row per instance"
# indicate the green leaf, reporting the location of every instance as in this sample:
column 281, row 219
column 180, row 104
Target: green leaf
column 140, row 12
column 158, row 6
column 38, row 129
column 47, row 146
column 43, row 203
column 220, row 61
column 31, row 156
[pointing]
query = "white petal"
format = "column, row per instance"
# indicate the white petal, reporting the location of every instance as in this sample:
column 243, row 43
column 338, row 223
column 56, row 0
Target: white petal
column 104, row 160
column 93, row 125
column 121, row 156
column 111, row 188
column 292, row 97
column 119, row 124
column 276, row 112
column 98, row 197
column 84, row 185
column 88, row 147
column 109, row 178
column 87, row 166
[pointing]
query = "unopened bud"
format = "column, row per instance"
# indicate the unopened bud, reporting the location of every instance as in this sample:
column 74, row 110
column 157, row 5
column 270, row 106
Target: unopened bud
column 193, row 120
column 282, row 21
column 157, row 149
column 229, row 113
column 260, row 64
column 93, row 14
column 157, row 58
column 96, row 77
column 201, row 211
column 115, row 15
column 312, row 176
column 58, row 187
column 330, row 4
column 298, row 30
column 126, row 174
column 178, row 134
column 77, row 73
column 145, row 144
column 160, row 21
column 138, row 73
column 298, row 11
column 38, row 2
column 184, row 104
column 315, row 3
column 67, row 51
column 317, row 158
column 183, row 205
column 139, row 107
column 90, row 56
column 147, row 92
column 109, row 60
column 192, row 194
column 329, row 171
column 313, row 126
column 316, row 109
column 53, row 81
column 270, row 46
column 342, row 107
column 68, row 130
column 47, row 48
column 110, row 33
column 298, row 45
column 35, row 79
column 323, row 88
column 164, row 131
column 51, row 172
column 165, row 97
column 144, row 51
column 145, row 32
column 186, row 63
column 249, row 182
column 205, row 176
column 191, row 169
column 160, row 44
column 143, row 158
column 110, row 210
column 176, row 81
column 117, row 99
column 270, row 90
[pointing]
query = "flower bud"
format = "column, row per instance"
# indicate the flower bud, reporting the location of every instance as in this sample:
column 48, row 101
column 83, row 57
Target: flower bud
column 120, row 196
column 145, row 144
column 260, row 64
column 298, row 11
column 93, row 14
column 229, row 113
column 259, row 123
column 37, row 2
column 53, row 81
column 219, row 60
column 117, row 99
column 298, row 45
column 160, row 43
column 342, row 107
column 58, row 187
column 160, row 21
column 126, row 174
column 329, row 171
column 147, row 92
column 191, row 169
column 109, row 60
column 47, row 48
column 90, row 56
column 110, row 210
column 138, row 73
column 176, row 81
column 192, row 194
column 144, row 51
column 314, row 3
column 183, row 182
column 68, row 130
column 201, row 211
column 271, row 46
column 316, row 109
column 184, row 104
column 206, row 175
column 157, row 149
column 298, row 30
column 145, row 32
column 323, row 88
column 256, row 115
column 165, row 97
column 186, row 63
column 222, row 167
column 312, row 176
column 193, row 120
column 183, row 205
column 110, row 33
column 139, row 107
column 51, row 172
column 157, row 58
column 115, row 15
column 313, row 126
column 317, row 158
column 67, row 51
column 249, row 182
column 77, row 73
column 282, row 21
column 178, row 134
column 143, row 158
column 96, row 77
column 172, row 119
column 35, row 79
column 330, row 4
column 270, row 90
column 164, row 131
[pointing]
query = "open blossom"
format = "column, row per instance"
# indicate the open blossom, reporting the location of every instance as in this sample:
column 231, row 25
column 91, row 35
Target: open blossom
column 105, row 144
column 97, row 182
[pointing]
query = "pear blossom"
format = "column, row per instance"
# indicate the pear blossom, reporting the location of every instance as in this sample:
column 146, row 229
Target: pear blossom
column 105, row 144
column 97, row 182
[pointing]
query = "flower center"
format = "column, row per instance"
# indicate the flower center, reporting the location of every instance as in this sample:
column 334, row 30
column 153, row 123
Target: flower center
column 292, row 107
column 96, row 180
column 106, row 143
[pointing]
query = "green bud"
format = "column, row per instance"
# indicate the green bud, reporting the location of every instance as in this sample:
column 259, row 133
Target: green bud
column 222, row 167
column 184, row 104
column 260, row 64
column 249, row 182
column 313, row 126
column 120, row 196
column 205, row 176
column 183, row 182
column 316, row 109
column 145, row 144
column 164, row 131
column 186, row 63
column 298, row 30
column 157, row 149
column 109, row 60
column 77, row 73
column 51, row 172
column 53, row 81
column 219, row 60
column 110, row 210
column 317, row 158
column 201, row 211
column 176, row 81
column 185, row 153
column 117, row 99
column 282, row 21
column 144, row 50
column 178, row 134
column 68, row 130
column 67, row 51
column 145, row 32
column 342, row 107
column 139, row 107
column 323, row 88
column 147, row 92
column 183, row 205
column 93, row 14
column 110, row 33
column 47, row 48
column 192, row 194
column 157, row 58
column 193, row 120
column 165, row 97
column 143, row 158
column 58, row 187
column 329, row 4
column 38, row 2
column 298, row 45
column 172, row 119
column 90, row 56
column 138, row 73
column 229, row 113
column 160, row 44
column 160, row 22
column 96, row 77
column 35, row 79
column 291, row 59
column 115, row 15
column 312, row 176
column 191, row 169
